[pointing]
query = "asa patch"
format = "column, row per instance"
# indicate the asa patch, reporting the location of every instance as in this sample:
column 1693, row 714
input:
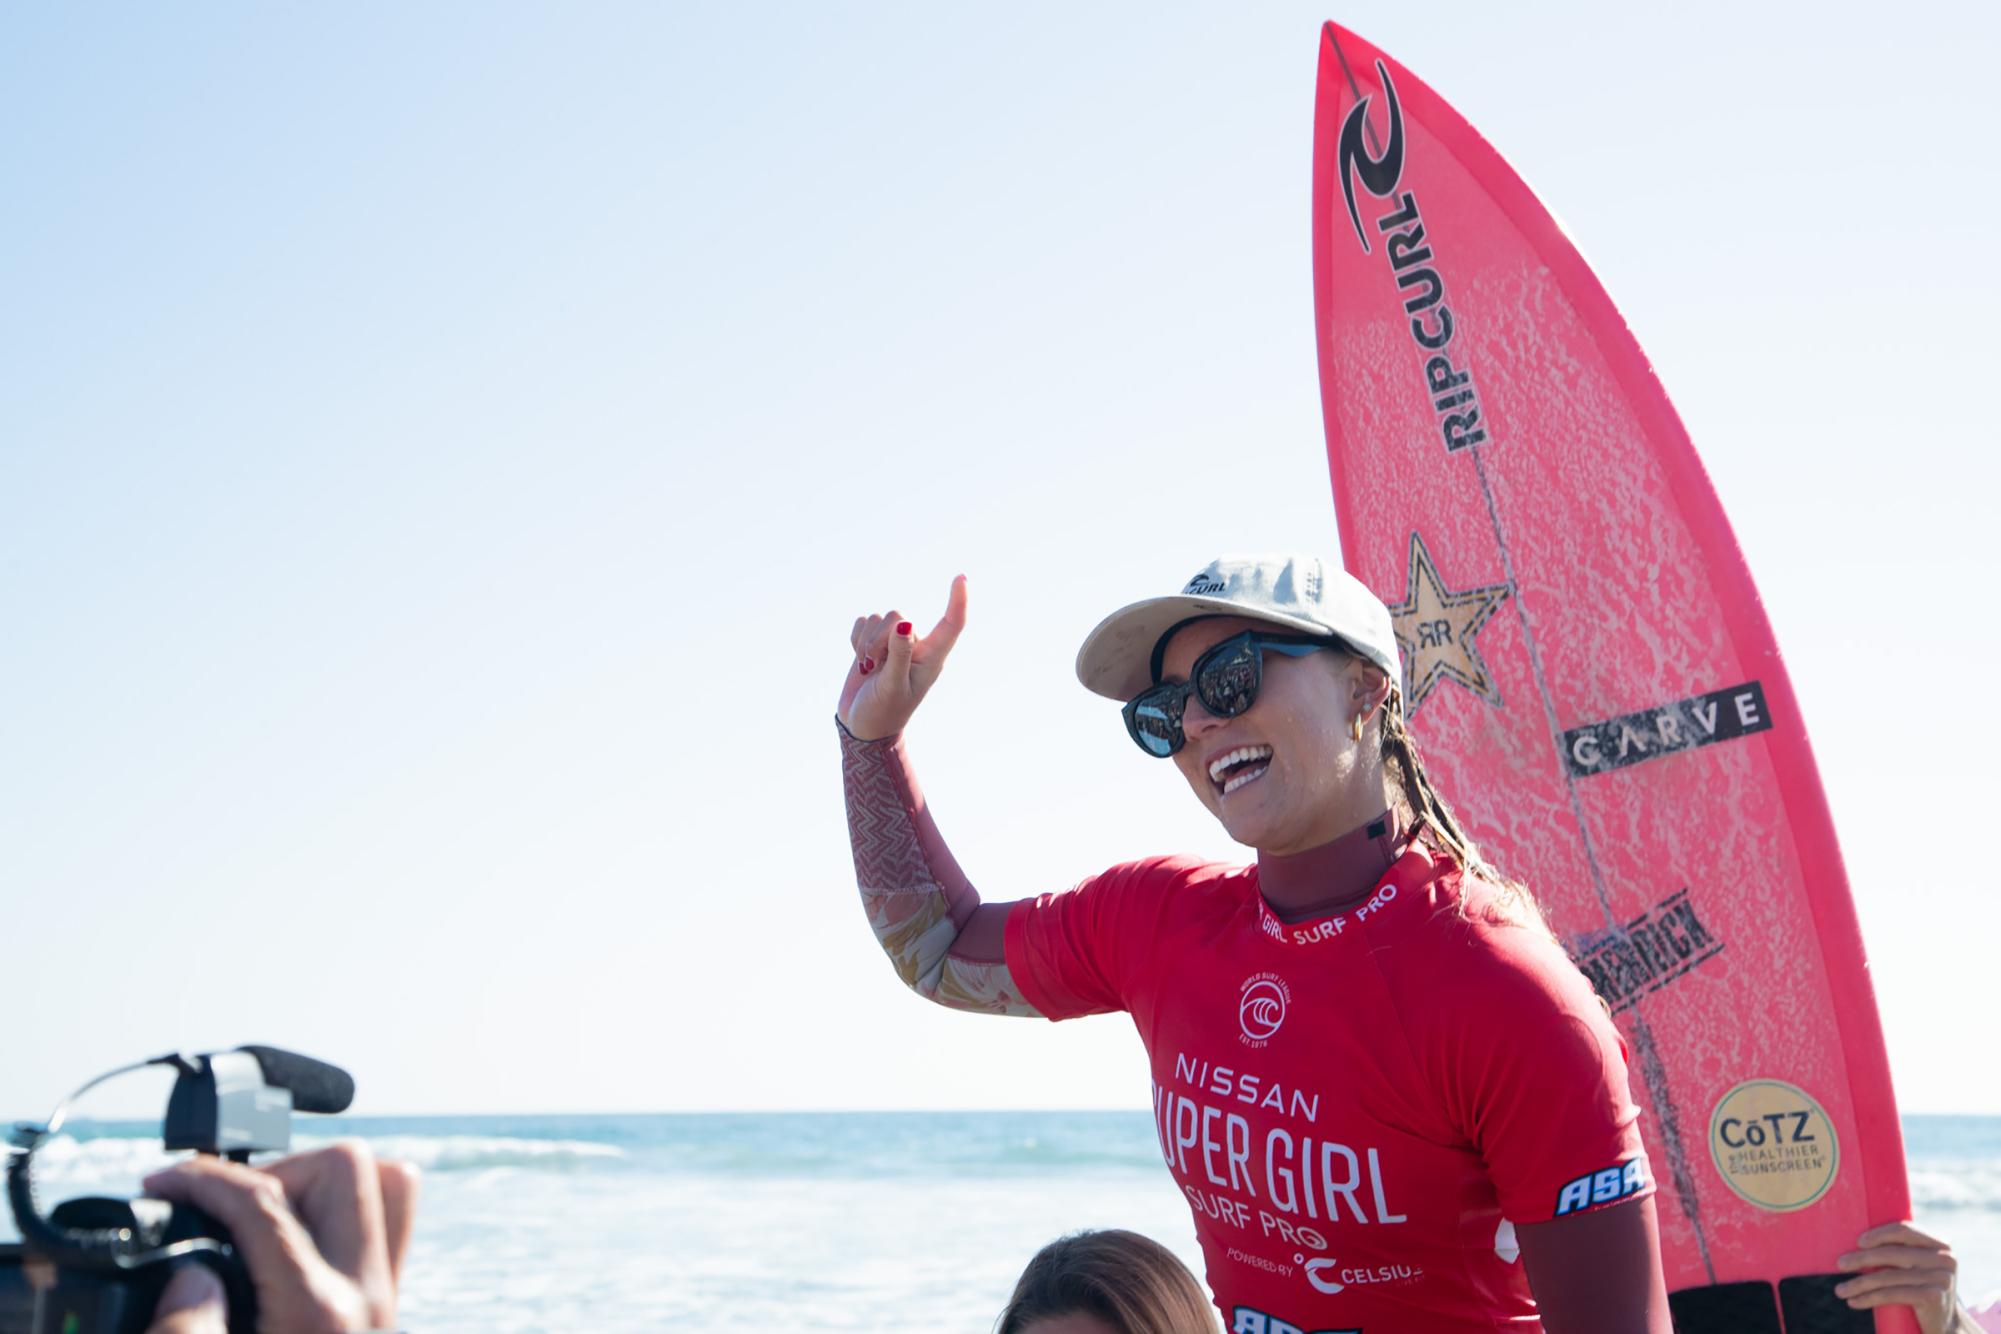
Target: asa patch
column 1603, row 1186
column 1250, row 1320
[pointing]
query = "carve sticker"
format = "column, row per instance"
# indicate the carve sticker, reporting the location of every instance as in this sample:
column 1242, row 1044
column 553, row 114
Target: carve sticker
column 1720, row 715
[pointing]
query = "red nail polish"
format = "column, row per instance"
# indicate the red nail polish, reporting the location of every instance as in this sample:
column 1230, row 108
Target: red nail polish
column 903, row 627
column 868, row 665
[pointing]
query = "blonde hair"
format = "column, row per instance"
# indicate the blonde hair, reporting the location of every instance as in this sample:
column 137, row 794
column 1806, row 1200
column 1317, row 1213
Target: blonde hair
column 1431, row 819
column 1132, row 1283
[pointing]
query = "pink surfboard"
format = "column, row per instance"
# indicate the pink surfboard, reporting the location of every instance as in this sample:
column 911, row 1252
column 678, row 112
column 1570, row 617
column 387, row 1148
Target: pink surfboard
column 1597, row 691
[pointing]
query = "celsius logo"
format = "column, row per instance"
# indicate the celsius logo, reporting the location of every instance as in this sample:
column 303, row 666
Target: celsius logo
column 1325, row 1277
column 1261, row 1003
column 1381, row 171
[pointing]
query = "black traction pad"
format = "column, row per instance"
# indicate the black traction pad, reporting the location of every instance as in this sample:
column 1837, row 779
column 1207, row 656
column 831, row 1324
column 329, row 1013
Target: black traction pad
column 1726, row 1308
column 1811, row 1307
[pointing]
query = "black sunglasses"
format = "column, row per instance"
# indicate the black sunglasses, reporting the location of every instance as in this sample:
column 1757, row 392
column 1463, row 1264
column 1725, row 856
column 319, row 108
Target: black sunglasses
column 1225, row 679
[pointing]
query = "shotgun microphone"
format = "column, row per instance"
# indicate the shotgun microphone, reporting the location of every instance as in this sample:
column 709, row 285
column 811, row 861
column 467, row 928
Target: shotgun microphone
column 316, row 1086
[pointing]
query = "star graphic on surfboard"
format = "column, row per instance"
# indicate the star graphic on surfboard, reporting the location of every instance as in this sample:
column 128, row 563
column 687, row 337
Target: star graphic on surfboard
column 1435, row 625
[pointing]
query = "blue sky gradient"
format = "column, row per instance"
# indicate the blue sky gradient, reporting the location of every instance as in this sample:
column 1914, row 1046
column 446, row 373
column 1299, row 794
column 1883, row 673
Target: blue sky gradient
column 442, row 449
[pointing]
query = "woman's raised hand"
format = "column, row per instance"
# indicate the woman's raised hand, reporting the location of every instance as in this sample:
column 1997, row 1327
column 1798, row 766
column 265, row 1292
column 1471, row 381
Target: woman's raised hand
column 893, row 668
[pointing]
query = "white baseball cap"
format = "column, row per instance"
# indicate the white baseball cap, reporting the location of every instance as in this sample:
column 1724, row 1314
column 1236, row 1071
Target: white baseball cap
column 1298, row 593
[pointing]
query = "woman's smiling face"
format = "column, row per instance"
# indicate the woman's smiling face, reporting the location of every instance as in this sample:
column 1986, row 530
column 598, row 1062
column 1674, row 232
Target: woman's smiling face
column 1282, row 775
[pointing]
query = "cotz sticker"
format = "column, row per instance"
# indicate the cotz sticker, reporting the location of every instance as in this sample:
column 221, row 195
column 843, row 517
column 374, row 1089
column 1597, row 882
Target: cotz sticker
column 1774, row 1145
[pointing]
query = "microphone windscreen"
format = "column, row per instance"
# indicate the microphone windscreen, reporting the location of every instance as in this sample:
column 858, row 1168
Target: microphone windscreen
column 315, row 1085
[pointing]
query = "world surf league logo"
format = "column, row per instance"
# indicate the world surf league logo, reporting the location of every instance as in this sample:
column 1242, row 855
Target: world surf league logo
column 1261, row 1003
column 1378, row 165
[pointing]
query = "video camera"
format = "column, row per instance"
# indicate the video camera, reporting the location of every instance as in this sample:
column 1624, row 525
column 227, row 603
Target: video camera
column 96, row 1265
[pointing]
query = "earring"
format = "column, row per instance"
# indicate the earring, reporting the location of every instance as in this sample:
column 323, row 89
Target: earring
column 1355, row 727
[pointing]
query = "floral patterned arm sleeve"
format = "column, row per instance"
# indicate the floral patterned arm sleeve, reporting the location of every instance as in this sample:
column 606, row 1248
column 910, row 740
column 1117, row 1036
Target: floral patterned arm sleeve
column 944, row 943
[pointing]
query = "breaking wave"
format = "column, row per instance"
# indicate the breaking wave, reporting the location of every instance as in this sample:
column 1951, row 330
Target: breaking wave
column 71, row 1160
column 1972, row 1186
column 475, row 1153
column 1951, row 1169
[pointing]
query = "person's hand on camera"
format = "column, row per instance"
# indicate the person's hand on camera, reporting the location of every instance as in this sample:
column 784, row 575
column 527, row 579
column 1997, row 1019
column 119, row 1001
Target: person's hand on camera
column 323, row 1235
column 1907, row 1268
column 893, row 669
column 193, row 1302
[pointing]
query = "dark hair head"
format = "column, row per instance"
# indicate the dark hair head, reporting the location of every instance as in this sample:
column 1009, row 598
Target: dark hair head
column 1130, row 1282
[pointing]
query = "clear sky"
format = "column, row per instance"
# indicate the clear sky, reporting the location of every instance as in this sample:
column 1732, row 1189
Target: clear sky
column 443, row 447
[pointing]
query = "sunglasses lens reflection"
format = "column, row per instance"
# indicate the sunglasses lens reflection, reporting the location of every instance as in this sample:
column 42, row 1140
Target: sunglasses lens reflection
column 1228, row 683
column 1156, row 719
column 1227, row 679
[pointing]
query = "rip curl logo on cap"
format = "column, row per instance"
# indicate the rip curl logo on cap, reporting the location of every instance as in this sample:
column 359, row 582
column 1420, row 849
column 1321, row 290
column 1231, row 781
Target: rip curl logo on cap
column 1261, row 1004
column 1204, row 584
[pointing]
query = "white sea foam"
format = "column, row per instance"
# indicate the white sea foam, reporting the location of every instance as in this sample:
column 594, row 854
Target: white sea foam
column 1959, row 1184
column 76, row 1161
column 1956, row 1185
column 472, row 1153
column 815, row 1223
column 79, row 1161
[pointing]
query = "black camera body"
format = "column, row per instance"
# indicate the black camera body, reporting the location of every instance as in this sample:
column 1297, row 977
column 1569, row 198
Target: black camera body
column 54, row 1298
column 97, row 1265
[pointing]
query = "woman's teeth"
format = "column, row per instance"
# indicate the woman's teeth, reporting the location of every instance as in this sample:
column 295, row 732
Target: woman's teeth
column 1249, row 763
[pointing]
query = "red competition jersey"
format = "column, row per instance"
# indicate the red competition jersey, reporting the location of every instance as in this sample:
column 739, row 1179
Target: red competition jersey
column 1360, row 1106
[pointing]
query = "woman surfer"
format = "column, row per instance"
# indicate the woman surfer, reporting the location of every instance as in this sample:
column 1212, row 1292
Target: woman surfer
column 1389, row 1097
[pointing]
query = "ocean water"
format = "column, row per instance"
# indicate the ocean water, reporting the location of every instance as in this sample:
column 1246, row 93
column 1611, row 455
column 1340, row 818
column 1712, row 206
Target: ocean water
column 818, row 1221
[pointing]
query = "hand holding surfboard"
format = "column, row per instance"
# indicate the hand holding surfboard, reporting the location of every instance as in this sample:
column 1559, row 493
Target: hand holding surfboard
column 1898, row 1265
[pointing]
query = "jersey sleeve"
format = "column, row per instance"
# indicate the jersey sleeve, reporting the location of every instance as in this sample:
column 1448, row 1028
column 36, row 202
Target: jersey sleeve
column 926, row 915
column 1085, row 950
column 1536, row 1078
